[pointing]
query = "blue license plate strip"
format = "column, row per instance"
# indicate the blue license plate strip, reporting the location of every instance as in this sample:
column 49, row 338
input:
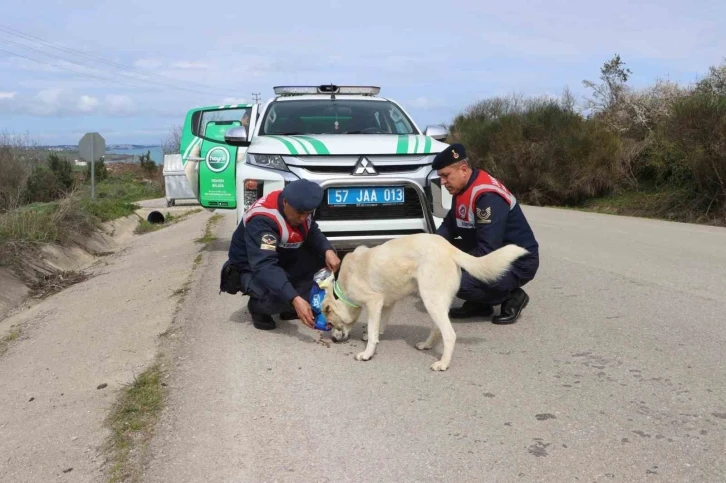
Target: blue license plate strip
column 366, row 196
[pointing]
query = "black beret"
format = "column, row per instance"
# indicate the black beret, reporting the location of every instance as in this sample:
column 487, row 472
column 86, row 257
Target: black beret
column 452, row 154
column 303, row 194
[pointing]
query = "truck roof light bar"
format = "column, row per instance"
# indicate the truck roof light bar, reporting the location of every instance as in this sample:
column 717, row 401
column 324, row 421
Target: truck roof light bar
column 326, row 89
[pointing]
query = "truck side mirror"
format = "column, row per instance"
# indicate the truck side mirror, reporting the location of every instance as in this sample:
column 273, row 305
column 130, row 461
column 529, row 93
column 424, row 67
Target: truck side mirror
column 436, row 132
column 237, row 136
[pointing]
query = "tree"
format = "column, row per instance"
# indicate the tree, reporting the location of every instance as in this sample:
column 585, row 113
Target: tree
column 171, row 144
column 608, row 94
column 63, row 170
column 147, row 164
column 715, row 82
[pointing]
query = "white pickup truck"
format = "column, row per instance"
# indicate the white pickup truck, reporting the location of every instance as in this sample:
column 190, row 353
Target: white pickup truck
column 370, row 157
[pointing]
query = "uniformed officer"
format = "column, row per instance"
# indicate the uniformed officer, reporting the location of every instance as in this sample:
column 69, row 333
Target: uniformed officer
column 486, row 216
column 278, row 247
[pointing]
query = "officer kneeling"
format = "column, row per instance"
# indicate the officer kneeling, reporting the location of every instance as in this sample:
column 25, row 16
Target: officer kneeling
column 486, row 216
column 278, row 248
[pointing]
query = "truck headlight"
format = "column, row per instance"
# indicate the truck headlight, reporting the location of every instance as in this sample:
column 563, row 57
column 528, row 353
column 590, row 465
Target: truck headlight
column 272, row 161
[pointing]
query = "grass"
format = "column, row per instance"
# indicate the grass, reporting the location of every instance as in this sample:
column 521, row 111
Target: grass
column 132, row 420
column 77, row 214
column 5, row 341
column 207, row 237
column 44, row 222
column 116, row 195
column 665, row 203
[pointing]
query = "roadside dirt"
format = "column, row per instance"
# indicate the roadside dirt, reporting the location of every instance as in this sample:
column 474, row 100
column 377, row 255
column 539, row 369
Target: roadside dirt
column 70, row 356
column 51, row 260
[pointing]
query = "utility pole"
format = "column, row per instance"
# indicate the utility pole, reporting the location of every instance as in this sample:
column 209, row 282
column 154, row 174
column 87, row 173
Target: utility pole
column 256, row 97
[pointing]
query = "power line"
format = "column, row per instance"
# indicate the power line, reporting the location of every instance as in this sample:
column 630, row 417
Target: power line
column 98, row 59
column 103, row 78
column 18, row 33
column 70, row 70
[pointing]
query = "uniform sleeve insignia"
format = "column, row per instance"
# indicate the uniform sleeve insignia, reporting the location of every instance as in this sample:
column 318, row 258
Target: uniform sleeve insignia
column 268, row 242
column 483, row 216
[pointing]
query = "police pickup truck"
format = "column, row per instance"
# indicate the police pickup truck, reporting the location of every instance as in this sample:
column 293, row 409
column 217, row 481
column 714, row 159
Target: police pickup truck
column 370, row 157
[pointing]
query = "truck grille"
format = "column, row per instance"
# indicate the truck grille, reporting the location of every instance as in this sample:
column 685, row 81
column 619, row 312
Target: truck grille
column 411, row 208
column 380, row 168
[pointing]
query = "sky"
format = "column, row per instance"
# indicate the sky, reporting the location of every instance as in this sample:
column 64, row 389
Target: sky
column 131, row 73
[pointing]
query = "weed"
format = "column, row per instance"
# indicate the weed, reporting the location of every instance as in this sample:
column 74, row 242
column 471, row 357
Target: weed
column 207, row 237
column 132, row 420
column 5, row 341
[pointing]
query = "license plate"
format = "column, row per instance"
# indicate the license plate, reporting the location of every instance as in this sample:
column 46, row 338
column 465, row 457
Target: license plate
column 383, row 195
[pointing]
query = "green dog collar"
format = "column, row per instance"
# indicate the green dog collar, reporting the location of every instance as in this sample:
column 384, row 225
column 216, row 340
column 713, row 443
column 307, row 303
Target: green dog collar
column 341, row 295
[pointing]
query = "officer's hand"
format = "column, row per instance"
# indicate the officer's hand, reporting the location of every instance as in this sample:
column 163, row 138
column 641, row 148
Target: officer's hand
column 304, row 311
column 332, row 261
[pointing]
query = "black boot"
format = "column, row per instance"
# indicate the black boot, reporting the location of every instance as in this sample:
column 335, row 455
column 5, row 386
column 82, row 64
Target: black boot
column 512, row 308
column 259, row 320
column 471, row 309
column 289, row 315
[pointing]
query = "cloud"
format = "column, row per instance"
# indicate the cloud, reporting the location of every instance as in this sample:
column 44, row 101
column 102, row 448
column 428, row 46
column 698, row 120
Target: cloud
column 515, row 46
column 425, row 103
column 60, row 102
column 234, row 100
column 119, row 104
column 190, row 65
column 87, row 103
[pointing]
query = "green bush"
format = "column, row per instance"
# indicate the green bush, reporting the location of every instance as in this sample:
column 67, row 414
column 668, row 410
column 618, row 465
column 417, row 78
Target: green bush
column 696, row 136
column 666, row 139
column 49, row 181
column 63, row 170
column 541, row 149
column 147, row 164
column 12, row 179
column 100, row 171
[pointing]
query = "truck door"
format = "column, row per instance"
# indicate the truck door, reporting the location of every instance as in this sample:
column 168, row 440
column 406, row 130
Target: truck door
column 203, row 142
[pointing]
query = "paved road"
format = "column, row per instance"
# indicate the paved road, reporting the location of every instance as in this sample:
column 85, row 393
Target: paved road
column 614, row 373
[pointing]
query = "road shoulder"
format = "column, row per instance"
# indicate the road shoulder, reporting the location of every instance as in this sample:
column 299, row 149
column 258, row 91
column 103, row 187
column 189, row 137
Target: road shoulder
column 79, row 350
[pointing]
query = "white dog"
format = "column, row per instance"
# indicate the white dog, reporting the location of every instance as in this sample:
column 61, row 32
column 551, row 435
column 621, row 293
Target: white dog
column 376, row 278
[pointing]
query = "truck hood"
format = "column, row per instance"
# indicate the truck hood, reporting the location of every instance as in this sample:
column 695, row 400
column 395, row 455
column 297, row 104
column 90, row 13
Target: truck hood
column 345, row 144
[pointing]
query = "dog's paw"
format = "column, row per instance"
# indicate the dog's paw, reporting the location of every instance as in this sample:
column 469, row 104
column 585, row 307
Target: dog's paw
column 423, row 346
column 439, row 366
column 362, row 356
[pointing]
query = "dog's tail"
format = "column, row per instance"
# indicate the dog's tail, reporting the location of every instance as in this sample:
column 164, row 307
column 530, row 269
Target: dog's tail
column 491, row 266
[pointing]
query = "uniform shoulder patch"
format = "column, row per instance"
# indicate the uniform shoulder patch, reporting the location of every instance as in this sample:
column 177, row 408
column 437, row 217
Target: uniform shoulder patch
column 484, row 216
column 268, row 242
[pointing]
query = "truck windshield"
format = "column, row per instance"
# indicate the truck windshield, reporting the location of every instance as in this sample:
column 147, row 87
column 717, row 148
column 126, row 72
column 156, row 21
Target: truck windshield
column 339, row 116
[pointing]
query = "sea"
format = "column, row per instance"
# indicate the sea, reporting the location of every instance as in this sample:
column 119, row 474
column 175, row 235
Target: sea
column 156, row 153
